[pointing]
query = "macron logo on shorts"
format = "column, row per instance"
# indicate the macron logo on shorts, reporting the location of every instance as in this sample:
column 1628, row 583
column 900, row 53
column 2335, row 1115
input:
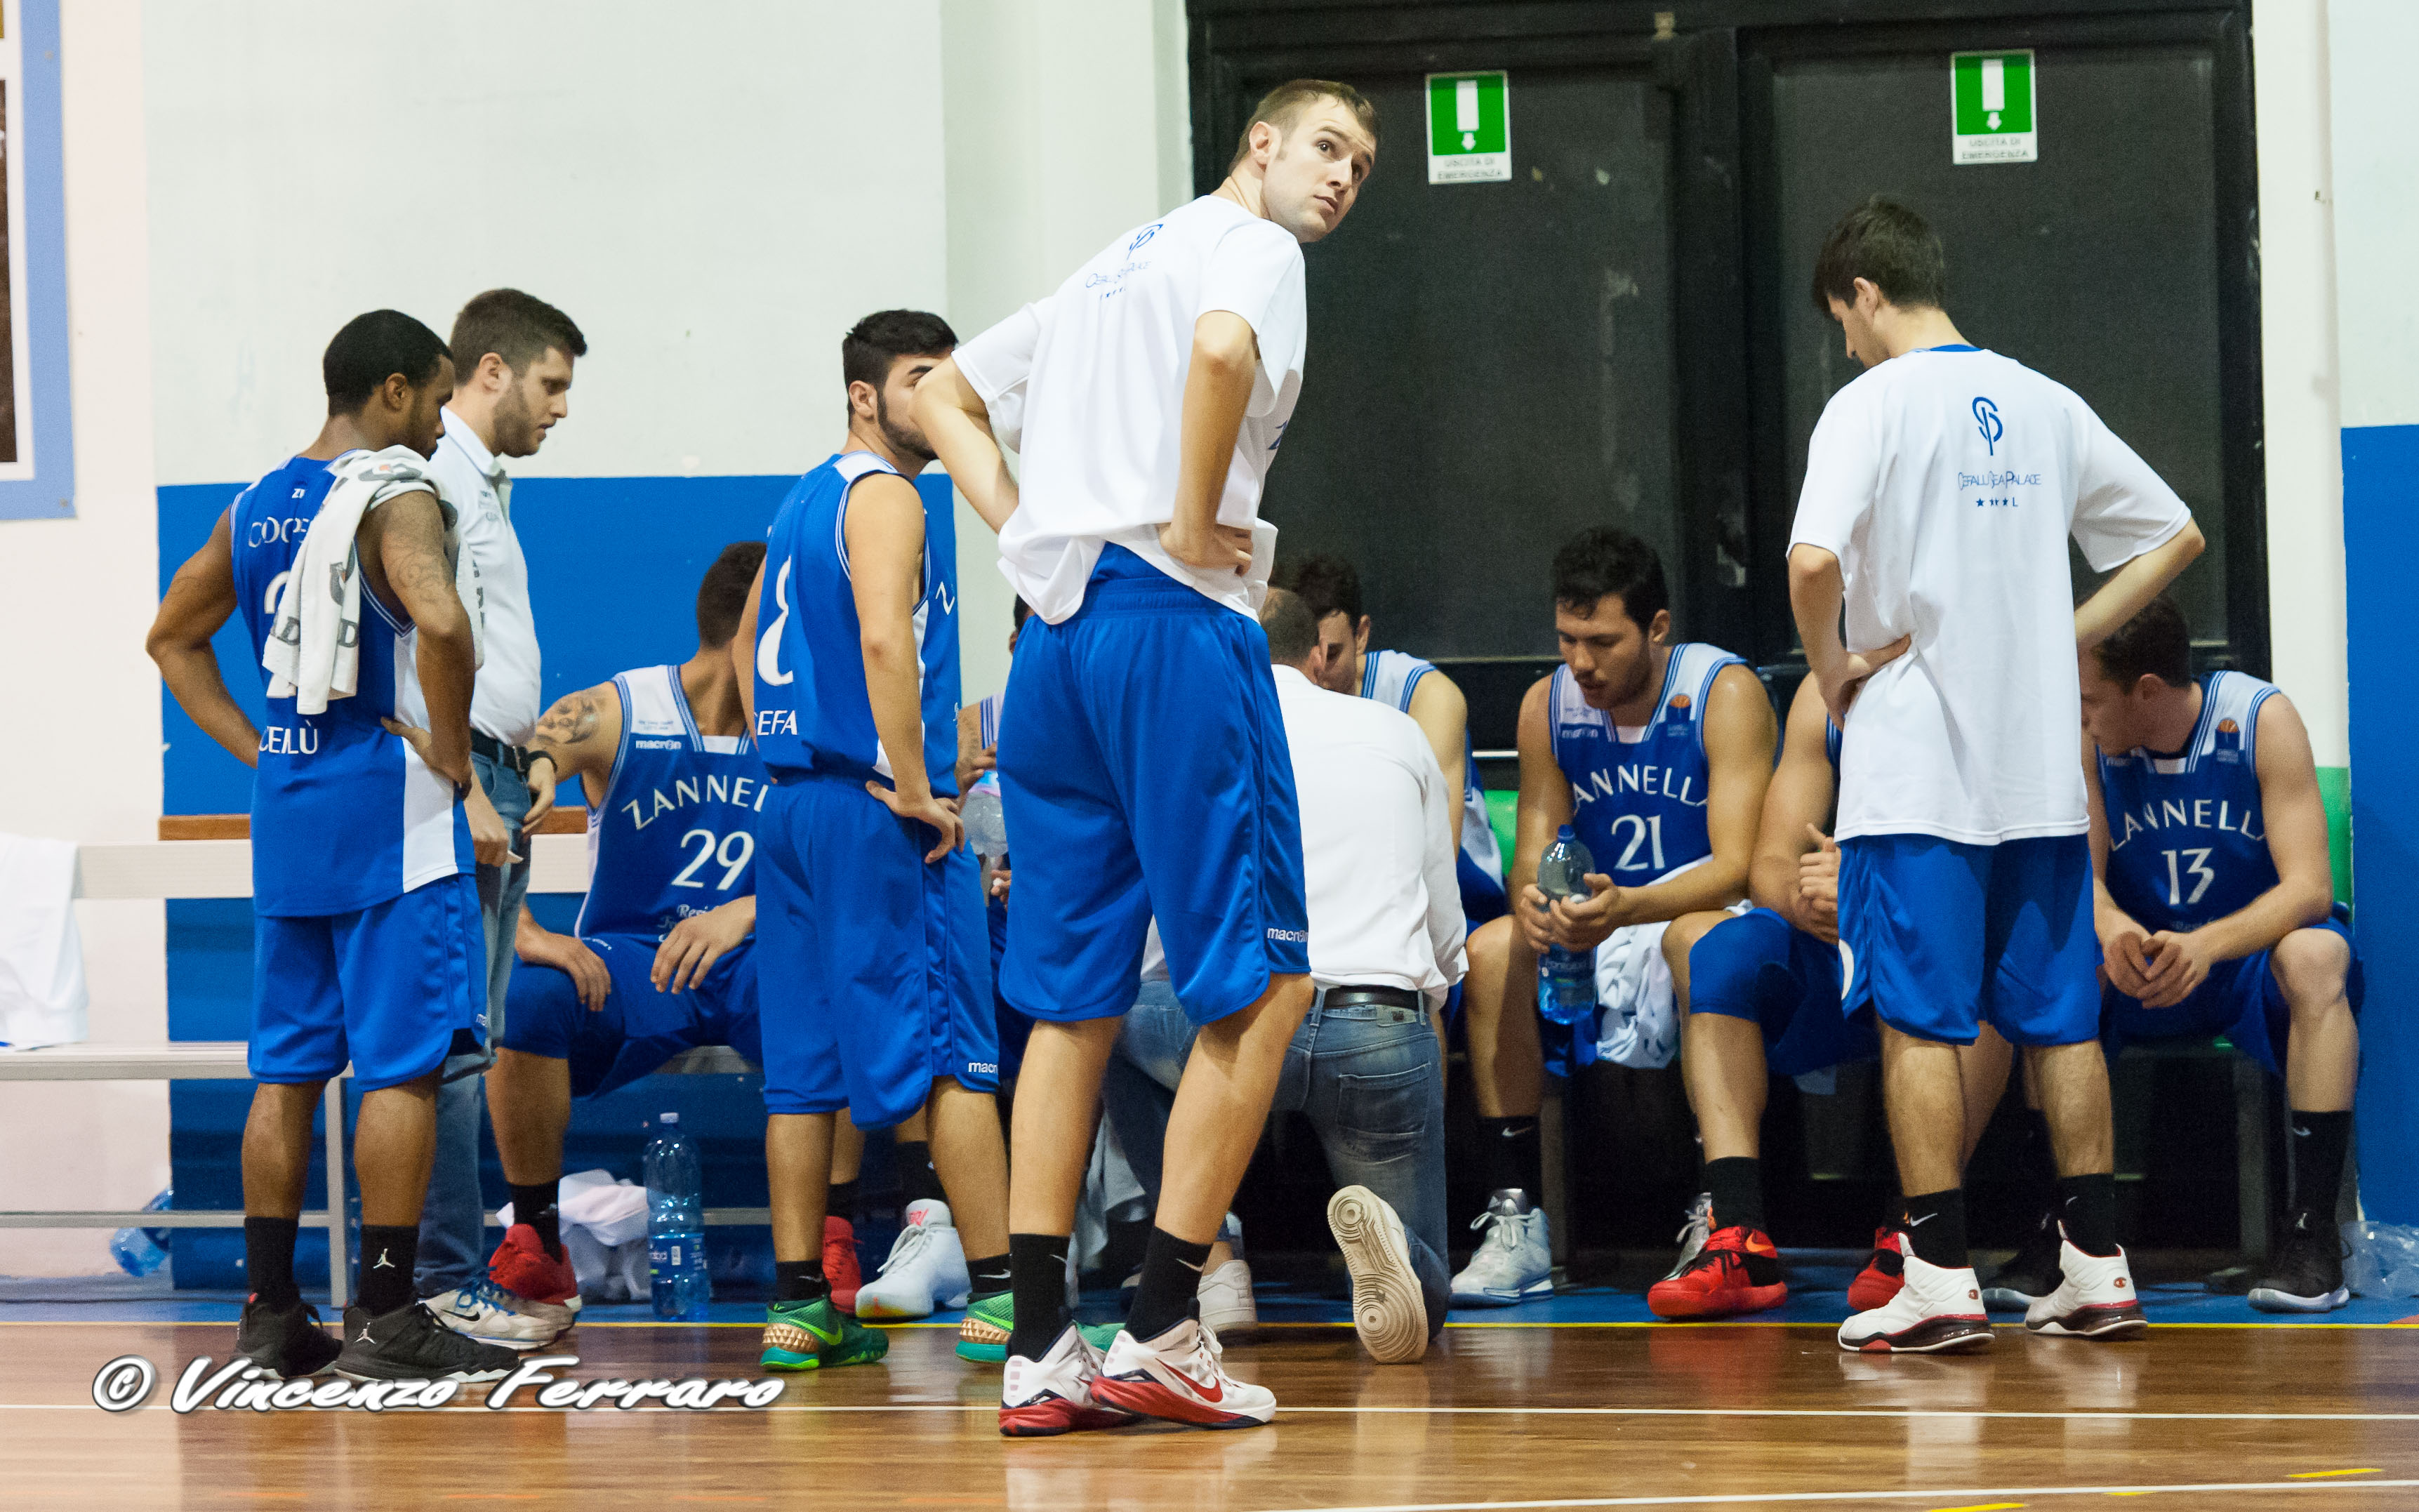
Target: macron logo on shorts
column 1290, row 937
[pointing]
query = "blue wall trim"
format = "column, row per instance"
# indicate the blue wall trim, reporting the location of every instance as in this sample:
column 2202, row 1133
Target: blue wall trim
column 2380, row 466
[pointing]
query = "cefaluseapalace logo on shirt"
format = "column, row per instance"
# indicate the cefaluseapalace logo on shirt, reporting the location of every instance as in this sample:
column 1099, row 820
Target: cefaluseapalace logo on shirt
column 1986, row 420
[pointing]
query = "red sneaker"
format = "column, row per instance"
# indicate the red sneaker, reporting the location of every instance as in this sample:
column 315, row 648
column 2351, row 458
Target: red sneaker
column 840, row 1262
column 544, row 1282
column 1885, row 1271
column 1738, row 1272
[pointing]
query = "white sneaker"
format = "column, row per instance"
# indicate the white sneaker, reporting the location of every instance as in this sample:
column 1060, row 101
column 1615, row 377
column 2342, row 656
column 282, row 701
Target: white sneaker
column 1388, row 1310
column 1180, row 1376
column 1515, row 1262
column 1693, row 1234
column 1054, row 1395
column 1226, row 1298
column 1937, row 1311
column 486, row 1312
column 926, row 1268
column 2094, row 1299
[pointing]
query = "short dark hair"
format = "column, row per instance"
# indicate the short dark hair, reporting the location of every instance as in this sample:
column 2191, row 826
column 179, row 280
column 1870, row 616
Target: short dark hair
column 1292, row 629
column 2154, row 643
column 372, row 348
column 883, row 337
column 1607, row 561
column 1327, row 583
column 517, row 327
column 1886, row 242
column 722, row 597
column 1281, row 106
column 1022, row 612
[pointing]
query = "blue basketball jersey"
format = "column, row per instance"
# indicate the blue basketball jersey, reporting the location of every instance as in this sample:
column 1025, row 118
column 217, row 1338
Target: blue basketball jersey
column 345, row 816
column 2187, row 842
column 1391, row 677
column 812, row 712
column 675, row 834
column 1640, row 804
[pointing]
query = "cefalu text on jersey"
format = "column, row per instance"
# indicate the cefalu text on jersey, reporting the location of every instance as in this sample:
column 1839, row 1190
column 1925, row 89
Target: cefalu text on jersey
column 1648, row 781
column 2176, row 813
column 688, row 793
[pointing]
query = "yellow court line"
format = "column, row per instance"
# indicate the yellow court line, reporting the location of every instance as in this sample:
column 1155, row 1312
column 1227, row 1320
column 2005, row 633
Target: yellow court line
column 1982, row 1507
column 2319, row 1474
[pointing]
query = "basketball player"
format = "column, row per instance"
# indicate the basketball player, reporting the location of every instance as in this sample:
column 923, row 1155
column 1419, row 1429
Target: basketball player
column 366, row 937
column 1941, row 487
column 1658, row 754
column 870, row 926
column 658, row 962
column 1142, row 759
column 1332, row 588
column 2216, row 904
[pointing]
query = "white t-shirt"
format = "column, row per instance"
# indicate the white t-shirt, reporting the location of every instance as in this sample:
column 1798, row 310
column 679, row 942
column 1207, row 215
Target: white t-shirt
column 1946, row 482
column 1088, row 386
column 508, row 697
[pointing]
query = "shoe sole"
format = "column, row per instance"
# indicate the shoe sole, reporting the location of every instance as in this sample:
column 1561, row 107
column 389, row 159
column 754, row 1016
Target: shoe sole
column 1535, row 1290
column 278, row 1368
column 1053, row 1416
column 1149, row 1399
column 2269, row 1300
column 2117, row 1323
column 1388, row 1311
column 1934, row 1335
column 1727, row 1304
column 465, row 1377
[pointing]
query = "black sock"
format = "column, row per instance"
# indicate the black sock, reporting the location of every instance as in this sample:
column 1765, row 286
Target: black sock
column 1510, row 1156
column 842, row 1204
column 1936, row 1226
column 2320, row 1140
column 268, row 1260
column 1037, row 1269
column 389, row 1254
column 918, row 1181
column 535, row 1205
column 800, row 1280
column 1171, row 1278
column 1736, row 1183
column 989, row 1276
column 2087, row 1205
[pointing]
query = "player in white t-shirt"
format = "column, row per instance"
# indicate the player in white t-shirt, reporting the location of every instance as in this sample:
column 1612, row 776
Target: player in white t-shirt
column 1941, row 487
column 1142, row 758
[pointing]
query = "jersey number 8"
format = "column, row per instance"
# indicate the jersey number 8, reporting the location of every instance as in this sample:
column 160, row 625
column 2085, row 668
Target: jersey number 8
column 731, row 853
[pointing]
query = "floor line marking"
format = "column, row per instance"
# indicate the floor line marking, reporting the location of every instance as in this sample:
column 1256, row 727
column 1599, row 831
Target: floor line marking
column 2321, row 1475
column 2400, row 1325
column 1739, row 1497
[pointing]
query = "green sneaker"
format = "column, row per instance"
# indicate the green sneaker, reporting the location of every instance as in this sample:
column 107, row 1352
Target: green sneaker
column 982, row 1336
column 816, row 1335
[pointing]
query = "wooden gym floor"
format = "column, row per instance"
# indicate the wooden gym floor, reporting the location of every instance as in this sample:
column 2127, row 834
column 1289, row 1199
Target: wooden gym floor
column 1766, row 1415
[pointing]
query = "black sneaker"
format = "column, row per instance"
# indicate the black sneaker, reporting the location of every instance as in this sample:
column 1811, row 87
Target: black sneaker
column 286, row 1339
column 2306, row 1275
column 410, row 1344
column 2031, row 1274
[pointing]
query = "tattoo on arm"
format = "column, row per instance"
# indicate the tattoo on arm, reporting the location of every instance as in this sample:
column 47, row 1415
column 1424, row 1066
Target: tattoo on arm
column 568, row 728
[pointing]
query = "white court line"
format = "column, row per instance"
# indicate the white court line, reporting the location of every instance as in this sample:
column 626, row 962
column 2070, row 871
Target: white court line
column 1891, row 1414
column 1991, row 1493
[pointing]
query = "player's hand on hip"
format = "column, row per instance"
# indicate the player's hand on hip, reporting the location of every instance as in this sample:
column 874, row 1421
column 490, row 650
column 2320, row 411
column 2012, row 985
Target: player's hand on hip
column 570, row 955
column 1582, row 924
column 424, row 745
column 2179, row 963
column 939, row 813
column 1842, row 681
column 491, row 839
column 694, row 945
column 1228, row 546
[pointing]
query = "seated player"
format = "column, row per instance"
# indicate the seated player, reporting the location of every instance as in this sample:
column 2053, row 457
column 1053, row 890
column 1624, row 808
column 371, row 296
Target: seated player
column 659, row 960
column 2215, row 904
column 1332, row 589
column 1658, row 755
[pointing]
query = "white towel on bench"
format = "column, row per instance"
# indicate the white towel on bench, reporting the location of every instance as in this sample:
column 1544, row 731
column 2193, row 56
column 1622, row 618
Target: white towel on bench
column 42, row 995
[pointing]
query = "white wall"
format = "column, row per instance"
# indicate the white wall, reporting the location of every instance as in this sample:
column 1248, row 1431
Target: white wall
column 2377, row 188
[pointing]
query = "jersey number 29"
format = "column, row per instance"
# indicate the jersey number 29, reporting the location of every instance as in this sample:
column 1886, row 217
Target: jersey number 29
column 731, row 853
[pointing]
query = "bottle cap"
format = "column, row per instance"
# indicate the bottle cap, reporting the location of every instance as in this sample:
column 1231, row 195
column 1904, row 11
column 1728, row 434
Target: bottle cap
column 1567, row 833
column 668, row 1117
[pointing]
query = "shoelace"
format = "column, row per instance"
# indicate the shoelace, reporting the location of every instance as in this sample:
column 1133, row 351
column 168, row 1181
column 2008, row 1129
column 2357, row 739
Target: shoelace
column 1500, row 1229
column 909, row 1245
column 485, row 1291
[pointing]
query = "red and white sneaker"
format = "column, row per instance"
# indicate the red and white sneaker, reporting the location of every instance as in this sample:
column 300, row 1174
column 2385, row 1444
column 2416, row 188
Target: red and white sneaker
column 544, row 1284
column 1885, row 1271
column 1054, row 1395
column 840, row 1262
column 1738, row 1271
column 1937, row 1311
column 2094, row 1299
column 1180, row 1376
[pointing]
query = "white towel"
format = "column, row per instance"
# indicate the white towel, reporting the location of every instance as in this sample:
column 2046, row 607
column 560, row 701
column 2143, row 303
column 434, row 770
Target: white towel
column 42, row 995
column 314, row 646
column 1633, row 984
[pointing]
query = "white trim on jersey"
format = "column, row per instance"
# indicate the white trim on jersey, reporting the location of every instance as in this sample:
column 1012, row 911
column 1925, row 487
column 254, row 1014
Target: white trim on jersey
column 1691, row 671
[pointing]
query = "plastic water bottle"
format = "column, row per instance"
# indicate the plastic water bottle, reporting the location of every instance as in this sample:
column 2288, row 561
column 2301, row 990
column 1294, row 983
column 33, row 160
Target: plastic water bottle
column 141, row 1251
column 986, row 820
column 677, row 1278
column 1565, row 978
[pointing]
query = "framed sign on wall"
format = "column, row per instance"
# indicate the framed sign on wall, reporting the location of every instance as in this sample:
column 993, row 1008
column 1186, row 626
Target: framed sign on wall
column 37, row 450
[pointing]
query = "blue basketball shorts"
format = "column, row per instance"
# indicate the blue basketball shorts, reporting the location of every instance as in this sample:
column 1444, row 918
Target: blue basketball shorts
column 1942, row 936
column 1760, row 967
column 639, row 1028
column 1143, row 773
column 385, row 987
column 2241, row 1000
column 874, row 977
column 1015, row 1028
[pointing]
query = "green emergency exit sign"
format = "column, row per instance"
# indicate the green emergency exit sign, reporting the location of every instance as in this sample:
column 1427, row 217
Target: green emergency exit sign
column 1990, row 108
column 1470, row 128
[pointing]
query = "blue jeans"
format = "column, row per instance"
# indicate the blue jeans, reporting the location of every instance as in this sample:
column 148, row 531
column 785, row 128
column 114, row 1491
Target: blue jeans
column 1371, row 1081
column 454, row 1220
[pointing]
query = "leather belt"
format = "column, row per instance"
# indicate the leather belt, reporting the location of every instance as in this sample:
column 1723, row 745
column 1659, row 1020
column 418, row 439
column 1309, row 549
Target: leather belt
column 1375, row 996
column 515, row 757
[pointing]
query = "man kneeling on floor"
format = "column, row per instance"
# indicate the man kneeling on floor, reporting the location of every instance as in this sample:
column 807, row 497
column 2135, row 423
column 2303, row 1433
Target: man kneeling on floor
column 1385, row 948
